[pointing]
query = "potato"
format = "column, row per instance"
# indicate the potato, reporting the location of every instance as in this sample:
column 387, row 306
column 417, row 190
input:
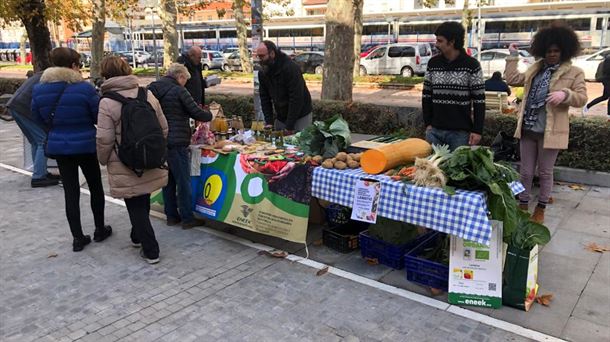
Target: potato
column 327, row 164
column 333, row 160
column 357, row 156
column 318, row 159
column 353, row 164
column 341, row 156
column 339, row 165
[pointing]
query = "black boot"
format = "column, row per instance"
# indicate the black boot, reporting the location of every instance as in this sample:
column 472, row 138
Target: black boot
column 101, row 234
column 79, row 243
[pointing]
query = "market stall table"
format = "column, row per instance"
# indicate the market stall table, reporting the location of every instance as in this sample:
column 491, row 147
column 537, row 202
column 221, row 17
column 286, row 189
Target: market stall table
column 272, row 200
column 463, row 214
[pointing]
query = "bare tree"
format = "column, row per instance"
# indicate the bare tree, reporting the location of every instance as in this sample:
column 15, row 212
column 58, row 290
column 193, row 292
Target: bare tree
column 242, row 35
column 97, row 37
column 339, row 51
column 358, row 4
column 168, row 13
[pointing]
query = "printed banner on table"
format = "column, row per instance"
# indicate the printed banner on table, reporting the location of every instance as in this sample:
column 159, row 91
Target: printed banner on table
column 229, row 192
column 366, row 200
column 475, row 276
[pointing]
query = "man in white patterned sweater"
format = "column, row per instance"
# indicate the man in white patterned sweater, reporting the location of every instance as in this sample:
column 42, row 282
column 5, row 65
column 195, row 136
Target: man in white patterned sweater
column 453, row 101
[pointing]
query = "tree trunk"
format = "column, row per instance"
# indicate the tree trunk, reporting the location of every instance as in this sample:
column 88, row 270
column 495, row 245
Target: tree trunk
column 242, row 35
column 170, row 33
column 338, row 51
column 357, row 35
column 466, row 20
column 97, row 37
column 22, row 52
column 38, row 33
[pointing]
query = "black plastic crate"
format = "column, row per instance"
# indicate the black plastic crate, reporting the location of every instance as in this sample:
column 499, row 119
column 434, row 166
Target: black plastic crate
column 387, row 253
column 343, row 238
column 426, row 272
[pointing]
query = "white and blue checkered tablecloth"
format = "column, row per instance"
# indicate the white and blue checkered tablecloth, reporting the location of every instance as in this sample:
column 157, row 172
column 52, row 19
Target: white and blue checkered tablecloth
column 463, row 214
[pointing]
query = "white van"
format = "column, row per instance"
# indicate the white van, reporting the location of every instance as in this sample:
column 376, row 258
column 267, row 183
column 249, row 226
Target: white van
column 406, row 60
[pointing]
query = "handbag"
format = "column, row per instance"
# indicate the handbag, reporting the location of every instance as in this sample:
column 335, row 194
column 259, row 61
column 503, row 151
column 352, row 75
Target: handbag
column 50, row 126
column 505, row 148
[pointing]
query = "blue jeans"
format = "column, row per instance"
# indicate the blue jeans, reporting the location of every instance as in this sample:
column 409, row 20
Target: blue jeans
column 179, row 162
column 454, row 139
column 36, row 135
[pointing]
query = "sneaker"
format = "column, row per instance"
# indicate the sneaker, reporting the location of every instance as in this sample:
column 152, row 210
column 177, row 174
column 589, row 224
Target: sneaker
column 53, row 176
column 193, row 223
column 173, row 221
column 135, row 243
column 79, row 243
column 149, row 260
column 42, row 182
column 101, row 234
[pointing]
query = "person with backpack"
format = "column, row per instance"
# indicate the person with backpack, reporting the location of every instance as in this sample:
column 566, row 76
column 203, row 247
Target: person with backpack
column 178, row 106
column 129, row 113
column 601, row 75
column 67, row 106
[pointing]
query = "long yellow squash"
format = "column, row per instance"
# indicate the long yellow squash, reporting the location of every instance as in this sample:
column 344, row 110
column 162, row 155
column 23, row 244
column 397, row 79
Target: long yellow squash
column 381, row 159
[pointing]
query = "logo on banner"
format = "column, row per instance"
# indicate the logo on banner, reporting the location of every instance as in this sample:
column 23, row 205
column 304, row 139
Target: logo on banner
column 246, row 210
column 212, row 189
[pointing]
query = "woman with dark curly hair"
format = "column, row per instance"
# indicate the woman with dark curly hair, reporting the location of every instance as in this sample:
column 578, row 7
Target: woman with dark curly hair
column 551, row 86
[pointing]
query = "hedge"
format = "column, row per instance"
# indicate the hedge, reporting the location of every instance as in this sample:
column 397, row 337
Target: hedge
column 589, row 146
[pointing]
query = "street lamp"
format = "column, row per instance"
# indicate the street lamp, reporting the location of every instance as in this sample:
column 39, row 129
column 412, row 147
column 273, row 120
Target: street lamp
column 151, row 8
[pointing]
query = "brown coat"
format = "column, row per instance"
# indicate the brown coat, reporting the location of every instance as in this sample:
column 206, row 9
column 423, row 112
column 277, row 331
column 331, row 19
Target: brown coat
column 567, row 78
column 123, row 182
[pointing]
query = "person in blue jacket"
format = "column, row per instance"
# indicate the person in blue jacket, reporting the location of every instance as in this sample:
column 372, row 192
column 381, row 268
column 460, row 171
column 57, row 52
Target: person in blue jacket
column 67, row 107
column 495, row 83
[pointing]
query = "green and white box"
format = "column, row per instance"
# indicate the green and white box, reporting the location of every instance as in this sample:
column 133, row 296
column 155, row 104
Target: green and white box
column 475, row 271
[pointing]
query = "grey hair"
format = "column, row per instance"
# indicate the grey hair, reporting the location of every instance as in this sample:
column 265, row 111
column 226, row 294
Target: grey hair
column 177, row 69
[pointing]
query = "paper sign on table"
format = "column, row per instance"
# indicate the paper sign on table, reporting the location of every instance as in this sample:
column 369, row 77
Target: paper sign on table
column 475, row 271
column 366, row 200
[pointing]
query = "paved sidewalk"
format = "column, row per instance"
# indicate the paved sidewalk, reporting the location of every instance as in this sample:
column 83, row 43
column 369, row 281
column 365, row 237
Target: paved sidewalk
column 204, row 289
column 578, row 278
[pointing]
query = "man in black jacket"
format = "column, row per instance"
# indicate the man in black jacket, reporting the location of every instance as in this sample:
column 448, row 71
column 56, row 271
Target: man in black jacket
column 285, row 99
column 196, row 84
column 178, row 106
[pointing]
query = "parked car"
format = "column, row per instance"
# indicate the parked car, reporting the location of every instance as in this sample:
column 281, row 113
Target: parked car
column 310, row 62
column 589, row 63
column 151, row 59
column 366, row 49
column 406, row 60
column 141, row 56
column 211, row 59
column 226, row 52
column 495, row 60
column 233, row 63
column 85, row 59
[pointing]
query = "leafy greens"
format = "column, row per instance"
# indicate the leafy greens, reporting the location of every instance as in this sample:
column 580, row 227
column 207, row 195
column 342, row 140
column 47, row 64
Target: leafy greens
column 474, row 169
column 325, row 138
column 528, row 234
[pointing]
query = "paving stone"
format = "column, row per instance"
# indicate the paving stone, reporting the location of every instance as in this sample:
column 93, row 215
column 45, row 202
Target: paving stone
column 579, row 330
column 592, row 223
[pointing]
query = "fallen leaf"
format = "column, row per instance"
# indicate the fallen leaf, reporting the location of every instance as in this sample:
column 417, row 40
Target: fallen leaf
column 322, row 271
column 52, row 255
column 318, row 242
column 545, row 299
column 576, row 187
column 372, row 261
column 436, row 292
column 594, row 247
column 276, row 253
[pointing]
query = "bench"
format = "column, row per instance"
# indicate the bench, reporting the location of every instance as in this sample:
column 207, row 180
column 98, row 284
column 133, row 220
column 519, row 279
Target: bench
column 495, row 101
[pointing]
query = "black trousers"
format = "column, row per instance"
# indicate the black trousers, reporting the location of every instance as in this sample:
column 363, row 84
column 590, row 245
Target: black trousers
column 68, row 168
column 141, row 229
column 604, row 97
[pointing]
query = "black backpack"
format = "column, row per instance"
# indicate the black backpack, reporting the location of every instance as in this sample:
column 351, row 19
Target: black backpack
column 143, row 145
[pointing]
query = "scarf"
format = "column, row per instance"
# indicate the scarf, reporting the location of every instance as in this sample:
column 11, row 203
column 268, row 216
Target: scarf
column 536, row 98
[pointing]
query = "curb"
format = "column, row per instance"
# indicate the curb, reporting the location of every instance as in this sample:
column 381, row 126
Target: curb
column 580, row 176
